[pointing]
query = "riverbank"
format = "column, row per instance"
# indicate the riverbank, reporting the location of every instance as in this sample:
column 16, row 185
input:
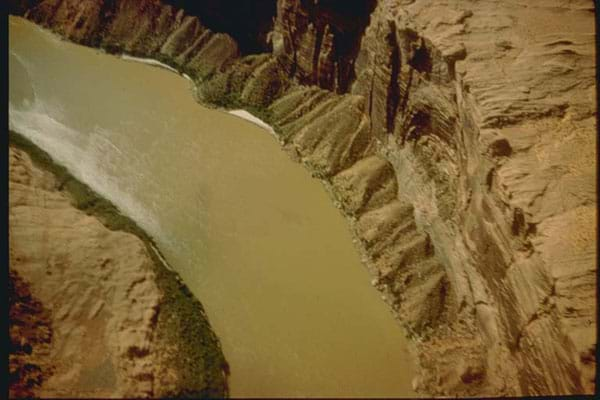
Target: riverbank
column 114, row 291
column 249, row 231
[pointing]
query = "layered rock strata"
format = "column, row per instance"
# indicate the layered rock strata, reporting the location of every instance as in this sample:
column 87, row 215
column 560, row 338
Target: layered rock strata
column 92, row 312
column 457, row 137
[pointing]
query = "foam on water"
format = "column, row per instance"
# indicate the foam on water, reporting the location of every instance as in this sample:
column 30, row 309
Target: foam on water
column 249, row 117
column 149, row 61
column 156, row 63
column 82, row 160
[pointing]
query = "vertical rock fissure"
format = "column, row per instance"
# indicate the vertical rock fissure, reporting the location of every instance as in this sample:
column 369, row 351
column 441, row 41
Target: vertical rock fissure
column 328, row 31
column 371, row 86
column 393, row 94
column 317, row 53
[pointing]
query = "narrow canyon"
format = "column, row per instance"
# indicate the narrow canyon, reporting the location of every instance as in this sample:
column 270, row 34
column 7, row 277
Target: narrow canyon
column 457, row 139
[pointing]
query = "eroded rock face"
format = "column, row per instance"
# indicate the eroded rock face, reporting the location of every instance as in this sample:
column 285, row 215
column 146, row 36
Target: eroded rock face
column 483, row 157
column 248, row 22
column 146, row 28
column 458, row 138
column 87, row 309
column 318, row 41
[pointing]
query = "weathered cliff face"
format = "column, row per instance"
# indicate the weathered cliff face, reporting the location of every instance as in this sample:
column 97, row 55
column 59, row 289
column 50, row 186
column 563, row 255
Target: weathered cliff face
column 318, row 41
column 457, row 138
column 247, row 22
column 92, row 312
column 145, row 28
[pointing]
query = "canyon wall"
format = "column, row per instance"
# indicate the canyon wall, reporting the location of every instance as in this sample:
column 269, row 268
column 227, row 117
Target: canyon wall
column 457, row 138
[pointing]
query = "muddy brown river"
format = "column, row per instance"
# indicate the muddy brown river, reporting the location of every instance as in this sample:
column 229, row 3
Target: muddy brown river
column 255, row 238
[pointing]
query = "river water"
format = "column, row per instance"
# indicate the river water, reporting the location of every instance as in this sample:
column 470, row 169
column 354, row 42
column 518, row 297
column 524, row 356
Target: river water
column 254, row 237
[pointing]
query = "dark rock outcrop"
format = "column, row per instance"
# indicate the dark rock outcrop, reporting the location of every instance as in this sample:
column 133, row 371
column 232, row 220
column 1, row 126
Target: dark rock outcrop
column 30, row 337
column 247, row 22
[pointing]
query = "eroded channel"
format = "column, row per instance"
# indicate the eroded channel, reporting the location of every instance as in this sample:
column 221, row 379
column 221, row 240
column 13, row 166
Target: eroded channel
column 254, row 237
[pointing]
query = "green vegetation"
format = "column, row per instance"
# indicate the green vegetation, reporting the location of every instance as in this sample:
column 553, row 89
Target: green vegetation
column 83, row 197
column 200, row 363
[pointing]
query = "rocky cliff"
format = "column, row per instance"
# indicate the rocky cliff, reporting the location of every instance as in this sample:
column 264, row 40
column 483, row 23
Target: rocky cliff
column 94, row 312
column 458, row 138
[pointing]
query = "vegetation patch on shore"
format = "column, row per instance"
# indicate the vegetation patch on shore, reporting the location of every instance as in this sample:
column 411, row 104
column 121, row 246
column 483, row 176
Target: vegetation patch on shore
column 182, row 322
